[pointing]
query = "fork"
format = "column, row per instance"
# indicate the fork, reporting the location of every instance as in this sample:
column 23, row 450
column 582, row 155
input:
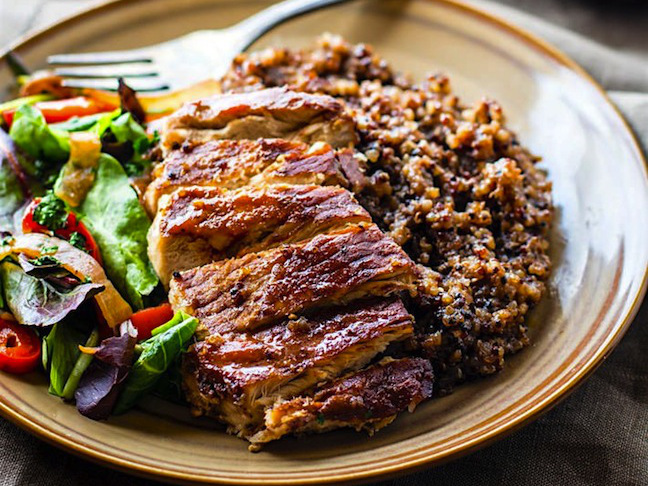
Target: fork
column 180, row 62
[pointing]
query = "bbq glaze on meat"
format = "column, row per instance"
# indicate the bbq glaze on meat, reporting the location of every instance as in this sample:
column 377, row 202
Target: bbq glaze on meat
column 450, row 183
column 369, row 399
column 229, row 164
column 197, row 225
column 258, row 289
column 268, row 113
column 236, row 376
column 289, row 306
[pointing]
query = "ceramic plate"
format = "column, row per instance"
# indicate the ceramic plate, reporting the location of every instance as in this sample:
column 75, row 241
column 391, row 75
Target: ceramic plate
column 599, row 245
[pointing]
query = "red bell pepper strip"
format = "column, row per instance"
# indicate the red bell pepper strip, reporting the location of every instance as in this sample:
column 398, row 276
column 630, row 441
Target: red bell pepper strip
column 72, row 225
column 148, row 319
column 20, row 348
column 56, row 111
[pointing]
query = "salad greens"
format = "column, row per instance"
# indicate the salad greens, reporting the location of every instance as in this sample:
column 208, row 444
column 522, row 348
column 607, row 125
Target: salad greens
column 81, row 364
column 11, row 195
column 35, row 137
column 49, row 145
column 111, row 375
column 169, row 386
column 126, row 129
column 36, row 302
column 158, row 353
column 12, row 178
column 61, row 354
column 113, row 214
column 127, row 141
column 101, row 383
column 98, row 123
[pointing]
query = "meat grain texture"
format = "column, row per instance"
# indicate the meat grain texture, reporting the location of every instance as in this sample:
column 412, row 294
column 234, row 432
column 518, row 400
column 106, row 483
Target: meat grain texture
column 448, row 182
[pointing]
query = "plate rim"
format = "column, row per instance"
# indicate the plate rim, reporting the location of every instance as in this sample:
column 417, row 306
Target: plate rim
column 541, row 407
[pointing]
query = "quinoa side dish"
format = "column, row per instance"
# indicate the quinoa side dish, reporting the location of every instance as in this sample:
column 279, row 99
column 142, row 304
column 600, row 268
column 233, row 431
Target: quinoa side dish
column 322, row 243
column 450, row 184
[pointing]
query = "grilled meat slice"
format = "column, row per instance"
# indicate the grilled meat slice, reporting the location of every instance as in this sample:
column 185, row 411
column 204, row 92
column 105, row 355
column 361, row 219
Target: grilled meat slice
column 266, row 113
column 197, row 225
column 259, row 288
column 230, row 164
column 369, row 399
column 235, row 377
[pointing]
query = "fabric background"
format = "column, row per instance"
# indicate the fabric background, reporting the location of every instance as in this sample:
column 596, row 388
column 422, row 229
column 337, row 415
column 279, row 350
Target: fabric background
column 597, row 436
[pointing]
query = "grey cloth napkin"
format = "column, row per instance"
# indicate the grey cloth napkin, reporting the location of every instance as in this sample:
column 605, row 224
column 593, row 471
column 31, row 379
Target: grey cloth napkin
column 599, row 435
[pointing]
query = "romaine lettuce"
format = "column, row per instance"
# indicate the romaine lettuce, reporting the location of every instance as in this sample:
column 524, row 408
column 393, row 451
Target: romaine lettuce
column 113, row 214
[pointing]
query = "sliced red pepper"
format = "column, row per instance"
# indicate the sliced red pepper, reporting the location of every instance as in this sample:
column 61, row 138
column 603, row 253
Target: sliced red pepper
column 72, row 225
column 57, row 111
column 148, row 319
column 20, row 348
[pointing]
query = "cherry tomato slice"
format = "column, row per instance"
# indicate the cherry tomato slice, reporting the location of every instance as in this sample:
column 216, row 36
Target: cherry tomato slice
column 20, row 348
column 148, row 319
column 72, row 225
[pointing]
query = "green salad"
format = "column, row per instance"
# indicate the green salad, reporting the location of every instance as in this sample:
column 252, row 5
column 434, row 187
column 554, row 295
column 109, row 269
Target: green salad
column 79, row 298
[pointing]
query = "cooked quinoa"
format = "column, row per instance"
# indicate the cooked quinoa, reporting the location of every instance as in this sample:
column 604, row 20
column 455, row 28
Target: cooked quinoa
column 450, row 183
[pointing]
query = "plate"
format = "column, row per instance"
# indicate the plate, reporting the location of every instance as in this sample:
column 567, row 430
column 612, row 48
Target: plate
column 598, row 245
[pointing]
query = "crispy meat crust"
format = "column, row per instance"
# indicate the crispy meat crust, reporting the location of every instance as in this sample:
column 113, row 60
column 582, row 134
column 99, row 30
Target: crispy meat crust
column 233, row 223
column 230, row 164
column 276, row 212
column 368, row 399
column 259, row 288
column 385, row 389
column 269, row 113
column 251, row 370
column 450, row 182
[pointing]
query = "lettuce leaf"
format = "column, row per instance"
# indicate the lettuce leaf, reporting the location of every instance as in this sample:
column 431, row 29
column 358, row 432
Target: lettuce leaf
column 126, row 129
column 97, row 123
column 12, row 177
column 127, row 141
column 11, row 195
column 62, row 344
column 159, row 353
column 113, row 214
column 100, row 385
column 36, row 302
column 64, row 360
column 35, row 137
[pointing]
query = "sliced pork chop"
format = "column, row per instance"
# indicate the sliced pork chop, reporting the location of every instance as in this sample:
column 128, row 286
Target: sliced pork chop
column 368, row 399
column 266, row 113
column 197, row 225
column 237, row 376
column 257, row 289
column 229, row 164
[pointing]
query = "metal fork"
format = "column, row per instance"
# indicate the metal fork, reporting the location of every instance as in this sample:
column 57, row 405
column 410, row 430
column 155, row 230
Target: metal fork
column 181, row 62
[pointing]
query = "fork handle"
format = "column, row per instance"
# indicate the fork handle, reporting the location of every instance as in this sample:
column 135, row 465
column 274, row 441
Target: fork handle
column 258, row 24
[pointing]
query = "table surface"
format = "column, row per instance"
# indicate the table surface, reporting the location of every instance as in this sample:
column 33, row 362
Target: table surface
column 599, row 435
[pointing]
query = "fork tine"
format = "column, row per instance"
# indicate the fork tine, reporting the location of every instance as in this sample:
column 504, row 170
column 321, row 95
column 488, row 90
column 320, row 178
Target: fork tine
column 108, row 71
column 138, row 84
column 109, row 57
